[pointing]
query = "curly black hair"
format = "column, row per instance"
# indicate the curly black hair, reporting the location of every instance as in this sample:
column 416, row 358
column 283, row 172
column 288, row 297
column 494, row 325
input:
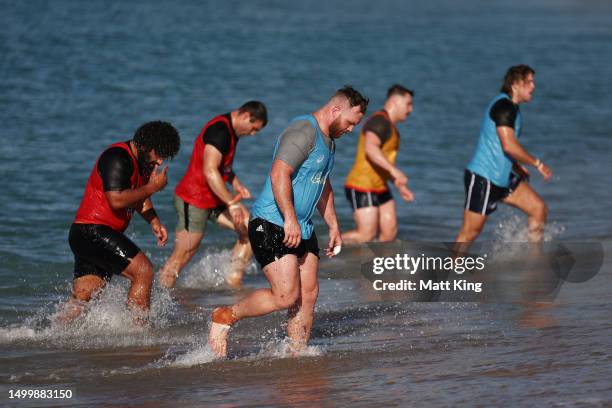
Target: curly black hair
column 158, row 135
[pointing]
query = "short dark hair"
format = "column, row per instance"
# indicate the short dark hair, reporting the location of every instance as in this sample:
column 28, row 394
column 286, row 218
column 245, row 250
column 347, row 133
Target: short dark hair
column 398, row 89
column 354, row 97
column 158, row 135
column 257, row 110
column 515, row 74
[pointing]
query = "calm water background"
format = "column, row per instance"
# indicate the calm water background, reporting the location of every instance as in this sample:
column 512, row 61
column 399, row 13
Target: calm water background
column 78, row 76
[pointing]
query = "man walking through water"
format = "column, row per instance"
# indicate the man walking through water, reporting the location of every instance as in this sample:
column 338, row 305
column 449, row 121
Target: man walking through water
column 496, row 172
column 202, row 194
column 281, row 230
column 122, row 181
column 366, row 185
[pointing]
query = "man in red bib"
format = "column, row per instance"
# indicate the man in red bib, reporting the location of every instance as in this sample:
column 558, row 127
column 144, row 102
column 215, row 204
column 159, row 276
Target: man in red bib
column 122, row 181
column 202, row 194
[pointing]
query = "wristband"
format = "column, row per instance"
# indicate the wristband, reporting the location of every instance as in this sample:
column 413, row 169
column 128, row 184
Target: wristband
column 538, row 163
column 234, row 200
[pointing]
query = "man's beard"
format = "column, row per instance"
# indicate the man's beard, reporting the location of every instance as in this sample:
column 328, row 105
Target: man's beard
column 334, row 129
column 144, row 167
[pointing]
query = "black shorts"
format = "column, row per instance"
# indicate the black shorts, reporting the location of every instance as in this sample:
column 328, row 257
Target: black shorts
column 267, row 242
column 482, row 196
column 100, row 250
column 360, row 199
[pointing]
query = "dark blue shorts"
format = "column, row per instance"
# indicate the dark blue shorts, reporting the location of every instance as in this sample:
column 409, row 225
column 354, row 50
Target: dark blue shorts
column 482, row 196
column 361, row 199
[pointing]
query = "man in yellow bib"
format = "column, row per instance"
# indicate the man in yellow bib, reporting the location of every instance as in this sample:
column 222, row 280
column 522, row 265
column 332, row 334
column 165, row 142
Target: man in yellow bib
column 366, row 185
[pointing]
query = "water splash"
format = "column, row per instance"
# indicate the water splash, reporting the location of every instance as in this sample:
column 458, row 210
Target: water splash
column 200, row 354
column 513, row 228
column 106, row 322
column 211, row 271
column 283, row 349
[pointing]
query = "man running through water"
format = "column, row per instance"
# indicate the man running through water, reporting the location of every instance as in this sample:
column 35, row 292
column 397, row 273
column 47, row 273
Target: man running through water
column 366, row 186
column 122, row 181
column 281, row 230
column 496, row 172
column 202, row 194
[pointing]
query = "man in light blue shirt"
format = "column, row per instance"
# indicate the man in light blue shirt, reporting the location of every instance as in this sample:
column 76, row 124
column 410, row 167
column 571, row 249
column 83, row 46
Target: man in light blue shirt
column 496, row 172
column 281, row 231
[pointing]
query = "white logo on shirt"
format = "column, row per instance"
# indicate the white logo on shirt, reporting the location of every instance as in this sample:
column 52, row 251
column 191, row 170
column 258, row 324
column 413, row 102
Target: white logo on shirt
column 318, row 178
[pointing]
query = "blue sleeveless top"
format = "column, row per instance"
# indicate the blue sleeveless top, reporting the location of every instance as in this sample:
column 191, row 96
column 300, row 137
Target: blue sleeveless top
column 489, row 160
column 307, row 184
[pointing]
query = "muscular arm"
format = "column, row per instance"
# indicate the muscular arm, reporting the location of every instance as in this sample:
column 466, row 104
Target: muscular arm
column 115, row 168
column 327, row 209
column 240, row 188
column 280, row 176
column 326, row 206
column 513, row 148
column 128, row 198
column 147, row 211
column 374, row 152
column 375, row 155
column 212, row 160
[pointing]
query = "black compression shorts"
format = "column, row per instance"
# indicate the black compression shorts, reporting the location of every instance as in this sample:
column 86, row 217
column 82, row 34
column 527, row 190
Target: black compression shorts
column 360, row 199
column 267, row 242
column 100, row 250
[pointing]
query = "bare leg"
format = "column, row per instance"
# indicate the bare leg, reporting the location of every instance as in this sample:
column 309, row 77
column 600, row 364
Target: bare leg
column 366, row 220
column 242, row 252
column 185, row 247
column 387, row 220
column 83, row 290
column 301, row 312
column 284, row 279
column 140, row 273
column 472, row 226
column 527, row 200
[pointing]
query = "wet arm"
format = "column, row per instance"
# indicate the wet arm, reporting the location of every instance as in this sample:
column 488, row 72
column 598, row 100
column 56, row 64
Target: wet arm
column 212, row 161
column 513, row 148
column 326, row 206
column 280, row 176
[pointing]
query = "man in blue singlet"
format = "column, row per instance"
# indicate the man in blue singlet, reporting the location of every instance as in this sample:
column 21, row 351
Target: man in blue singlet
column 281, row 230
column 497, row 170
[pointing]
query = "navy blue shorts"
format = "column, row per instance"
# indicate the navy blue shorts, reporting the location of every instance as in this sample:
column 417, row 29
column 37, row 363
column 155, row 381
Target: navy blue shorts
column 361, row 199
column 482, row 196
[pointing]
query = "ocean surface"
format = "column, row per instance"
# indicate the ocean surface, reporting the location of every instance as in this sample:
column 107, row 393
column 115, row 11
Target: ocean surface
column 77, row 76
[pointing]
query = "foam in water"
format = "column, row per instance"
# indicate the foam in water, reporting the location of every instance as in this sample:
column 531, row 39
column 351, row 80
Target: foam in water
column 106, row 322
column 514, row 228
column 211, row 271
column 201, row 354
column 283, row 349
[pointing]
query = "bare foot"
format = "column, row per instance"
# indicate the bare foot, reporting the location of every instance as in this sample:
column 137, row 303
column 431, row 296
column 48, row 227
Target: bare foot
column 217, row 338
column 69, row 312
column 222, row 319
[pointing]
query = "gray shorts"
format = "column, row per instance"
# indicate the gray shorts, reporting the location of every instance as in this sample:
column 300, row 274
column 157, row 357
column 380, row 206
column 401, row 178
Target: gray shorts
column 194, row 219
